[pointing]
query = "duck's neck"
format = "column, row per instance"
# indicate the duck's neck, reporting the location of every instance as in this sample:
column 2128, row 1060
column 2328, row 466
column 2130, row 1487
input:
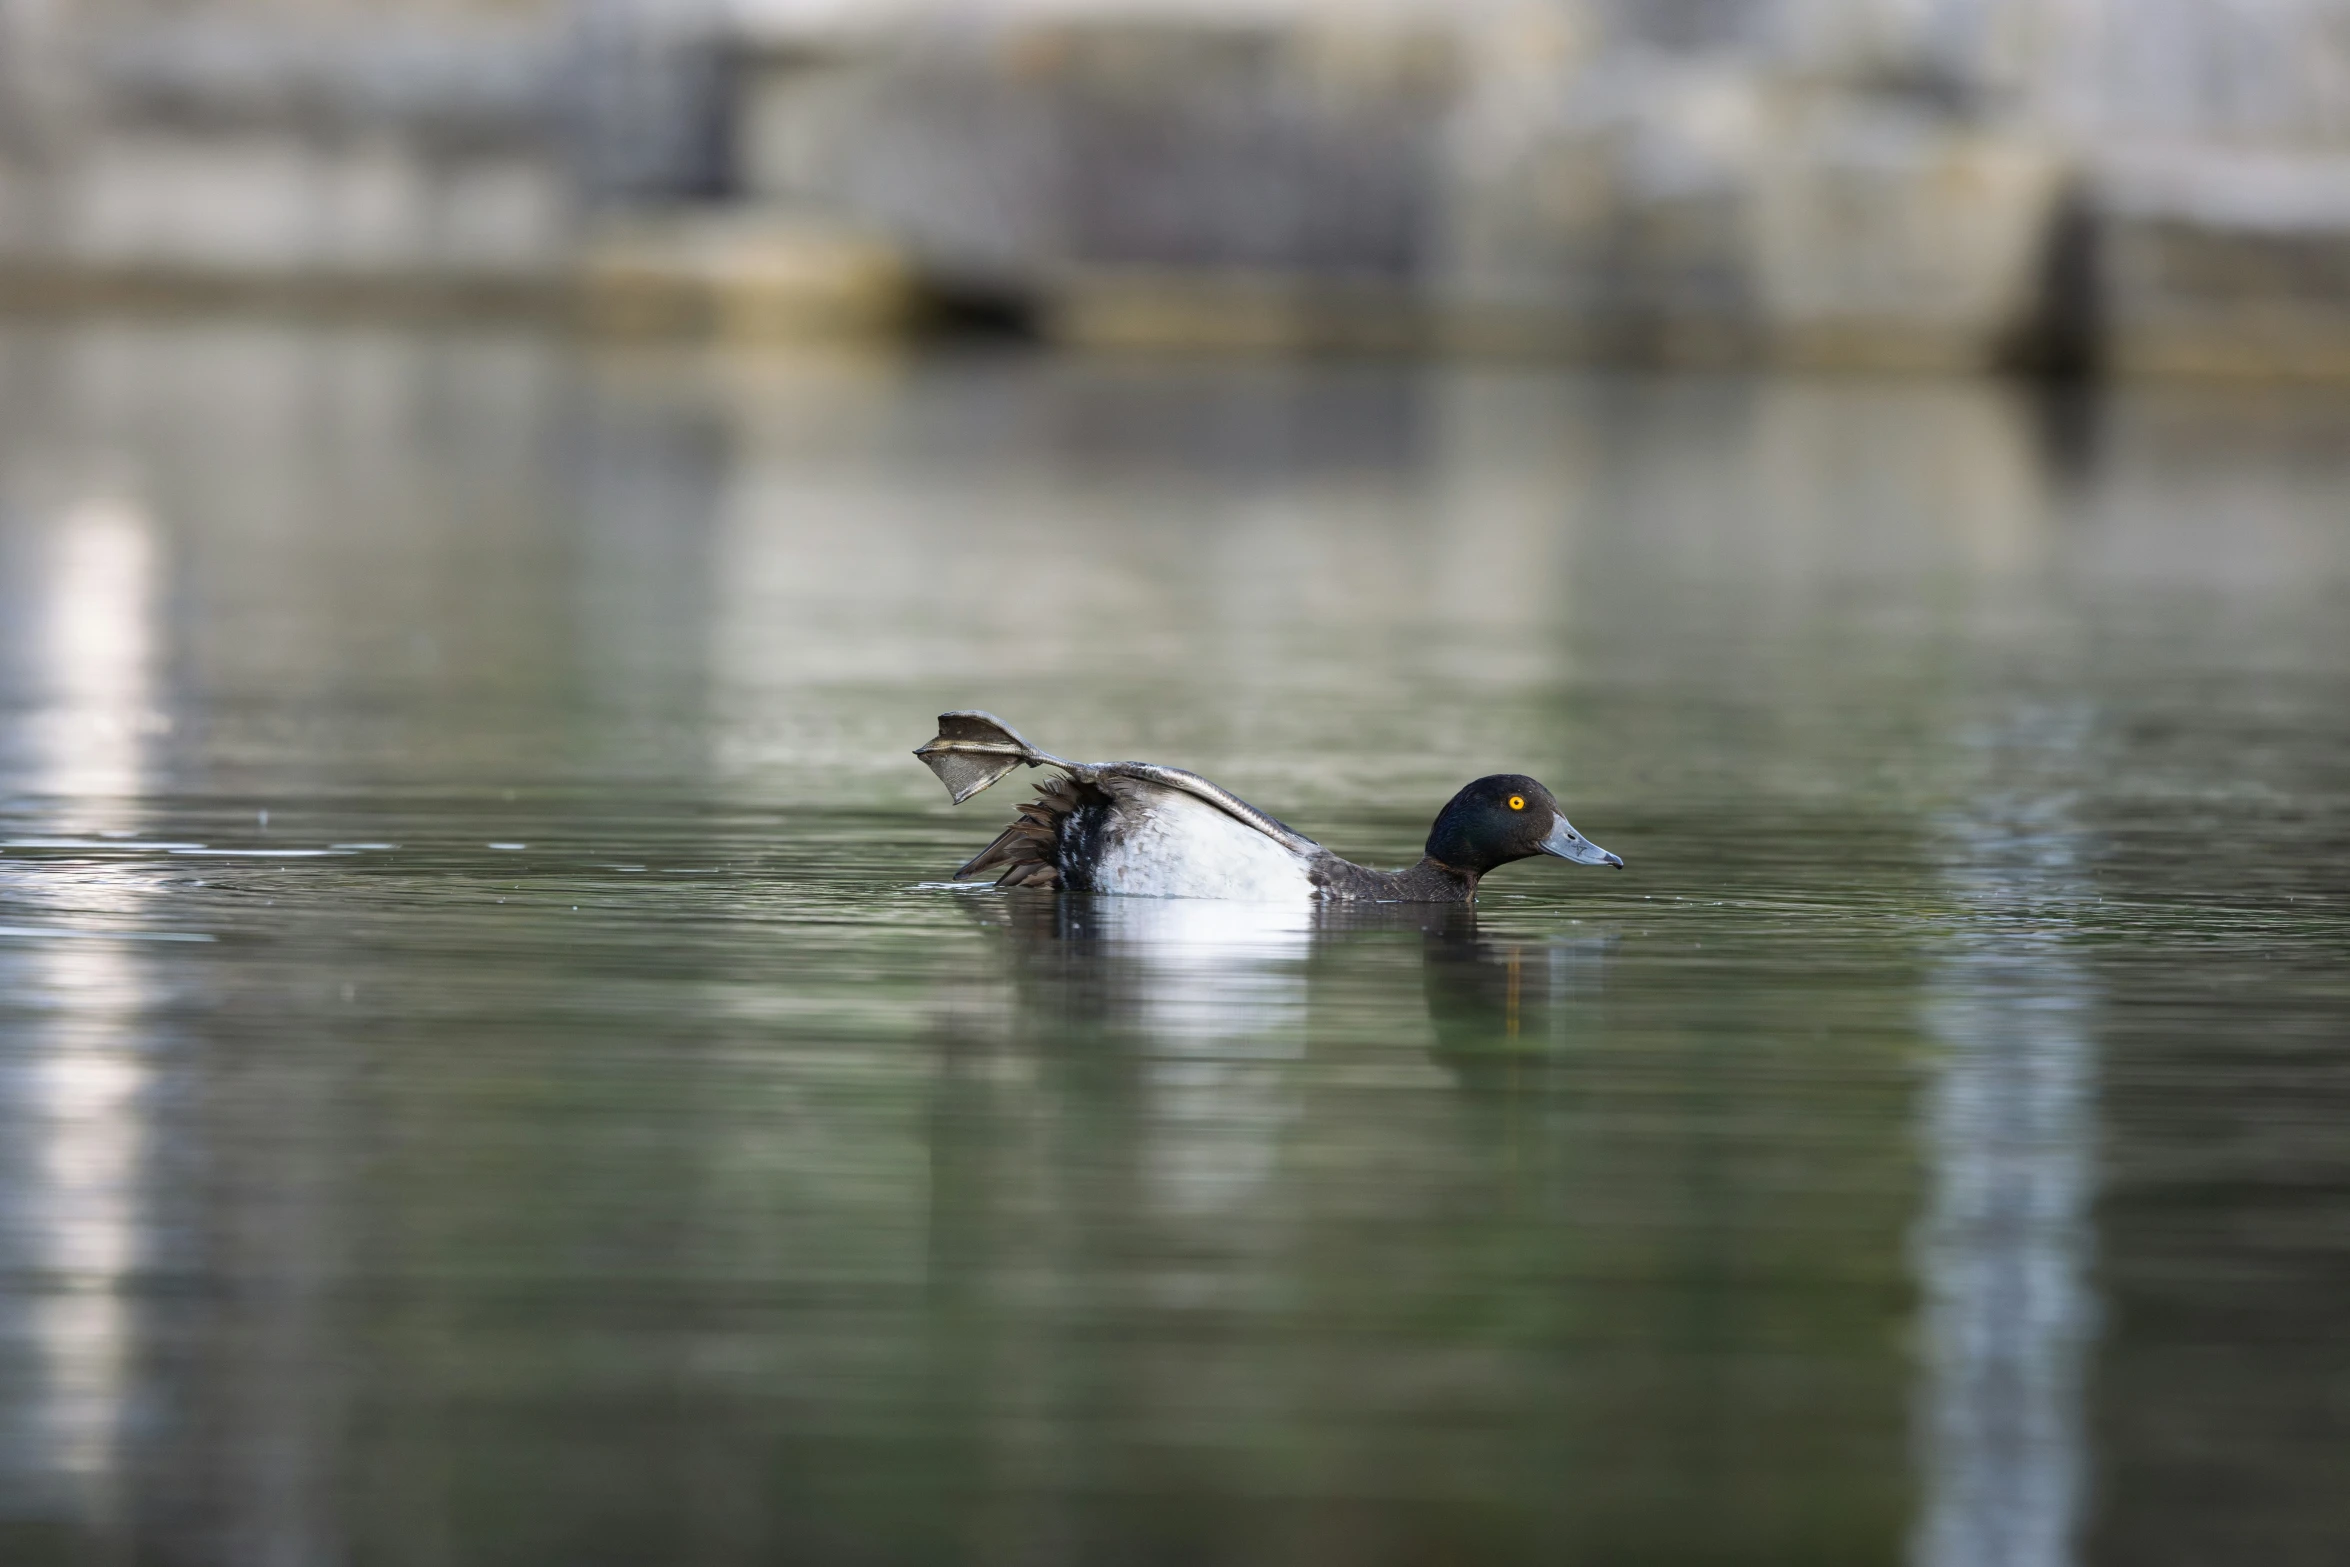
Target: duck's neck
column 1430, row 881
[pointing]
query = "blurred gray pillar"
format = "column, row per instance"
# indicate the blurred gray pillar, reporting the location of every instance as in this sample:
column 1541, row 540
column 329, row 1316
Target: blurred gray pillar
column 647, row 99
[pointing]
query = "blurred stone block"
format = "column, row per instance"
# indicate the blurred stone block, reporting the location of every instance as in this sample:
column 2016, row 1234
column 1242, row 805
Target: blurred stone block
column 1599, row 209
column 1865, row 182
column 508, row 214
column 245, row 203
column 257, row 204
column 1273, row 149
column 742, row 275
column 234, row 156
column 1017, row 154
column 2226, row 263
column 937, row 147
column 1887, row 237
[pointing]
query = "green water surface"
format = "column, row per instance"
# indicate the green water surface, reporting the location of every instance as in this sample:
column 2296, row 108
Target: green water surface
column 491, row 1071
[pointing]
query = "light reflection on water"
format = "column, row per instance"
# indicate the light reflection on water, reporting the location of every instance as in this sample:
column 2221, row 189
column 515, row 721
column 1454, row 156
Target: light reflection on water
column 76, row 1103
column 572, row 1123
column 2011, row 1134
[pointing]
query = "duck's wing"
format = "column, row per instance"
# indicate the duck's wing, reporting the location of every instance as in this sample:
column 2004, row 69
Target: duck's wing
column 1132, row 778
column 1084, row 805
column 974, row 749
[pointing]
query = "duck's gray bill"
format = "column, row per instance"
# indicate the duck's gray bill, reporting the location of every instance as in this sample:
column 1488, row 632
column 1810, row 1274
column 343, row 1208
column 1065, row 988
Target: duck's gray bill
column 1569, row 844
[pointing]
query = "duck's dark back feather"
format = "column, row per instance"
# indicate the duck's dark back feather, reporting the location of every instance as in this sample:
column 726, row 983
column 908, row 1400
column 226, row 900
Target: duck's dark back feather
column 1031, row 850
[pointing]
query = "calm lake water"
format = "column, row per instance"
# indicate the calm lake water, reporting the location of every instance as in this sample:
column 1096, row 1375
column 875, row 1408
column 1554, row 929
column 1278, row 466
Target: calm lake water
column 489, row 1072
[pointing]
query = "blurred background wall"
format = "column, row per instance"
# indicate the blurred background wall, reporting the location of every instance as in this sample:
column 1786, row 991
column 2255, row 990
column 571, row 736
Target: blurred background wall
column 2158, row 185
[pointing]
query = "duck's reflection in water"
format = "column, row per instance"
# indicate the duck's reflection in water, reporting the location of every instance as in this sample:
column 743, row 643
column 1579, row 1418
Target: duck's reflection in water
column 1504, row 1007
column 1232, row 1173
column 1209, row 998
column 1219, row 1001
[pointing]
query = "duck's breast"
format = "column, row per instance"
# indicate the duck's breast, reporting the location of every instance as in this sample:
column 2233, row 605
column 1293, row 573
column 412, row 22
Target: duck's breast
column 1163, row 843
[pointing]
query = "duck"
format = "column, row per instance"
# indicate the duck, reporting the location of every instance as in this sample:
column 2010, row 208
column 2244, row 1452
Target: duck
column 1146, row 830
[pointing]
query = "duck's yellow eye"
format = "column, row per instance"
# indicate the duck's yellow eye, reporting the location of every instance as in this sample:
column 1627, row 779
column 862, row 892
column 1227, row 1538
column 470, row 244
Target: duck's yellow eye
column 1517, row 802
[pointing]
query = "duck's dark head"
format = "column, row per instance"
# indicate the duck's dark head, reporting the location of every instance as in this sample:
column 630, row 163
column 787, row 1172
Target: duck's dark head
column 1503, row 818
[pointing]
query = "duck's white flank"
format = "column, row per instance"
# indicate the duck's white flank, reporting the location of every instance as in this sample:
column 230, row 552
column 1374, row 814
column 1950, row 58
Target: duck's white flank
column 1175, row 845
